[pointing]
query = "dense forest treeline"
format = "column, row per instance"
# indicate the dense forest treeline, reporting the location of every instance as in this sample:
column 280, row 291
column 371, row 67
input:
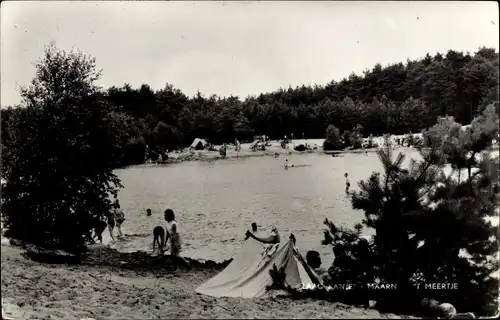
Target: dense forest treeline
column 398, row 98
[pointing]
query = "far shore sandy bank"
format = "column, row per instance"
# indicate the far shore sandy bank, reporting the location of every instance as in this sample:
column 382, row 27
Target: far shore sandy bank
column 275, row 150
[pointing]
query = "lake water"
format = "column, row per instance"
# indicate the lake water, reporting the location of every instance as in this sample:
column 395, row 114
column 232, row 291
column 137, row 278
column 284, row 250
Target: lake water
column 215, row 202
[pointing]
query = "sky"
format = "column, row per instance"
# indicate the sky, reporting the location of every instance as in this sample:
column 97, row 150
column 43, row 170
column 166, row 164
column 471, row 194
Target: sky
column 236, row 48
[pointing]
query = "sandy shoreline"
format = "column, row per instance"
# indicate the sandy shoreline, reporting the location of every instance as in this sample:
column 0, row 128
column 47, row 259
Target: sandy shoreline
column 275, row 150
column 118, row 289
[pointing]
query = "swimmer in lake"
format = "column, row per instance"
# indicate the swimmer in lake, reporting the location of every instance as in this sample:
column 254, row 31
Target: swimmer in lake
column 347, row 183
column 254, row 227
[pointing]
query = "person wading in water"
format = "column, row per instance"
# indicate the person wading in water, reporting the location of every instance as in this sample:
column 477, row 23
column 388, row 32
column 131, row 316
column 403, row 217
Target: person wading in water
column 347, row 184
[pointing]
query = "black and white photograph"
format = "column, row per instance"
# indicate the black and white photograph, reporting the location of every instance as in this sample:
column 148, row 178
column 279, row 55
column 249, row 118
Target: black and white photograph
column 249, row 159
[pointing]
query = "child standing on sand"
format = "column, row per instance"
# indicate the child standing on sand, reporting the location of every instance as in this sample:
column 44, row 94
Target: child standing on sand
column 174, row 236
column 172, row 233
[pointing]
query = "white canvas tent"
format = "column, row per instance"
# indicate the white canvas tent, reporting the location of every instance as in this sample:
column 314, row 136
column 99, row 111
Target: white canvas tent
column 198, row 144
column 247, row 276
column 255, row 142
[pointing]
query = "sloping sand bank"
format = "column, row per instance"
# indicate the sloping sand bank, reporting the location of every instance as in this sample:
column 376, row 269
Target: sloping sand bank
column 112, row 285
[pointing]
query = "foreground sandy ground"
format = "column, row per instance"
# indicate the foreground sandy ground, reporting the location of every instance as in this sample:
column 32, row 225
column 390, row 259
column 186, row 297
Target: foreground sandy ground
column 33, row 290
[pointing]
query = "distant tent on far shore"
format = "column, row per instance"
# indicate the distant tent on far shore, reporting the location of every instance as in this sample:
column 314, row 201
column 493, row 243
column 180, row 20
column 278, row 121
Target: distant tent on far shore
column 255, row 142
column 198, row 144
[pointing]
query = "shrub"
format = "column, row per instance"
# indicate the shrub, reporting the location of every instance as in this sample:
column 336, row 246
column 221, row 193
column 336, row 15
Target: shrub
column 352, row 139
column 333, row 140
column 300, row 148
column 423, row 221
column 356, row 140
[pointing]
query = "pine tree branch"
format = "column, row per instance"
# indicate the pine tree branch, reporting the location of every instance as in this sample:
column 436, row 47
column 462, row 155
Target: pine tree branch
column 425, row 192
column 426, row 167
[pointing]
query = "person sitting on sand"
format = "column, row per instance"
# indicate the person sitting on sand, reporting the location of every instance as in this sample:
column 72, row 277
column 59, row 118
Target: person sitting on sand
column 148, row 212
column 313, row 259
column 273, row 238
column 286, row 163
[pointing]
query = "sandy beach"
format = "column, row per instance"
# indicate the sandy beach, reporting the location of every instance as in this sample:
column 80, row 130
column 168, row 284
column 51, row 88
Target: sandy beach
column 245, row 152
column 112, row 285
column 274, row 149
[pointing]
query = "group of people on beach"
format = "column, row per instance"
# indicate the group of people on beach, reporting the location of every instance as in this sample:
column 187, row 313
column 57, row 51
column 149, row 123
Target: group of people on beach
column 115, row 218
column 167, row 235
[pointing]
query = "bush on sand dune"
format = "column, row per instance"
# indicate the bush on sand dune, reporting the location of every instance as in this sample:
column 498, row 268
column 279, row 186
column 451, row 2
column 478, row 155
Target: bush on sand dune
column 60, row 156
column 333, row 140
